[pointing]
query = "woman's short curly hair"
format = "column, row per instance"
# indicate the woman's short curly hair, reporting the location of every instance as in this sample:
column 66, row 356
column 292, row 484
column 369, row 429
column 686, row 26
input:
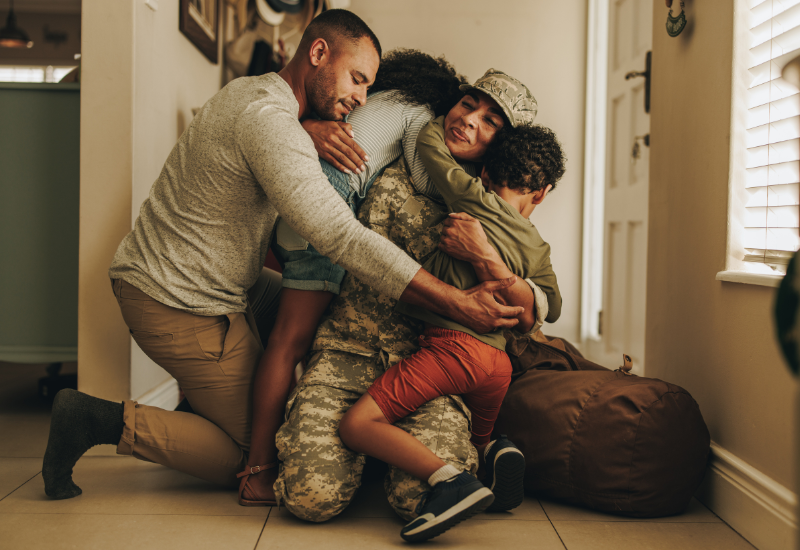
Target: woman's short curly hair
column 528, row 157
column 420, row 78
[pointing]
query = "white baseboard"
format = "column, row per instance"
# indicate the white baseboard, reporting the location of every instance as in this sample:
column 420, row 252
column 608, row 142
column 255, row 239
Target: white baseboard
column 164, row 396
column 38, row 354
column 762, row 510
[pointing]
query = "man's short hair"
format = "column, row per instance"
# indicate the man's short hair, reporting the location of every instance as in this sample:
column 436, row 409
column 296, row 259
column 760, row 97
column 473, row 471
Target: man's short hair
column 528, row 157
column 333, row 26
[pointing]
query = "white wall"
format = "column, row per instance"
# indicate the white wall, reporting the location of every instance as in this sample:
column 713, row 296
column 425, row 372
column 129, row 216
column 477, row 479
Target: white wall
column 544, row 45
column 141, row 78
column 716, row 339
column 162, row 76
column 171, row 77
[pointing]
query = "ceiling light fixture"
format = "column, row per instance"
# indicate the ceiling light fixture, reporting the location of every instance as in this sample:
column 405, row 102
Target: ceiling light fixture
column 12, row 36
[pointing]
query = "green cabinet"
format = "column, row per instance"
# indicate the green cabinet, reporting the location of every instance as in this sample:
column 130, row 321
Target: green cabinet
column 39, row 205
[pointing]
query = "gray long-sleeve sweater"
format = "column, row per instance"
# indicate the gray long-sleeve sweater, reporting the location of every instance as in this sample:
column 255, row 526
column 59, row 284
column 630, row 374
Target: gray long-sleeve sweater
column 203, row 233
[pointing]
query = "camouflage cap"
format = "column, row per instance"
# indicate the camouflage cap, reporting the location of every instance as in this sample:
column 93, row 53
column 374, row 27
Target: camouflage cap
column 513, row 96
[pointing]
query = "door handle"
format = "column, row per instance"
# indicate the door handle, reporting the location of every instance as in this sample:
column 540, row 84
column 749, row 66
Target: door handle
column 636, row 152
column 646, row 75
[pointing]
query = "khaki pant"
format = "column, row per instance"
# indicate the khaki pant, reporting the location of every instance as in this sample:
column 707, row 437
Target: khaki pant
column 214, row 361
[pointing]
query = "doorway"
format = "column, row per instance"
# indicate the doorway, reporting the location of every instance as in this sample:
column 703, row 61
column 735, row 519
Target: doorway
column 616, row 182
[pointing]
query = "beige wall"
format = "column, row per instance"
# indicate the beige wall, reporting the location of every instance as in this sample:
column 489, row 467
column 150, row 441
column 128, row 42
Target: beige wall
column 106, row 145
column 715, row 339
column 544, row 45
column 141, row 78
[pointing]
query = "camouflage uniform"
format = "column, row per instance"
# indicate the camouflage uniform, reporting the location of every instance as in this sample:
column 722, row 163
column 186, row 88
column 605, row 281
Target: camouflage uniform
column 357, row 341
column 362, row 337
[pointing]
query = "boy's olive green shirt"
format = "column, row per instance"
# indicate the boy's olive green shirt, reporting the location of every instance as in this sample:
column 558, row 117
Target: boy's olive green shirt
column 511, row 234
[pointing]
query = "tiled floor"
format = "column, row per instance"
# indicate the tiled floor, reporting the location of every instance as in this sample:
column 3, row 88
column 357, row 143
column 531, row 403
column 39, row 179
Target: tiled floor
column 132, row 504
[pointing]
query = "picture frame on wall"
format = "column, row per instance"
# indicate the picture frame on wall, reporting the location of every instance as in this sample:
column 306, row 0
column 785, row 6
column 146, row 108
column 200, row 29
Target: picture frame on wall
column 199, row 22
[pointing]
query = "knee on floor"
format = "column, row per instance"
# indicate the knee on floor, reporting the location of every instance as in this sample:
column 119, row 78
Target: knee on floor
column 315, row 502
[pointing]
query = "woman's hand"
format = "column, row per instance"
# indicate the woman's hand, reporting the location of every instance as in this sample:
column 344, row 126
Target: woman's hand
column 463, row 238
column 334, row 143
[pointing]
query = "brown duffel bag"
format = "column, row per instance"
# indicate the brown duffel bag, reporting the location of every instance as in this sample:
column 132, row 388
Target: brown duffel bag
column 607, row 440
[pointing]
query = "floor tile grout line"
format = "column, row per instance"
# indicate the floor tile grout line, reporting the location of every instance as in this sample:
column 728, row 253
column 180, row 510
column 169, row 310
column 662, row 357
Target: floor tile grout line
column 502, row 520
column 258, row 540
column 120, row 515
column 635, row 521
column 551, row 524
column 729, row 526
column 18, row 488
column 371, row 517
column 658, row 522
column 726, row 523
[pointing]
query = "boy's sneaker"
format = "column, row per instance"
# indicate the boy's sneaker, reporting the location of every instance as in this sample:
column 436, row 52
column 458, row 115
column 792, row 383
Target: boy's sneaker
column 505, row 471
column 448, row 503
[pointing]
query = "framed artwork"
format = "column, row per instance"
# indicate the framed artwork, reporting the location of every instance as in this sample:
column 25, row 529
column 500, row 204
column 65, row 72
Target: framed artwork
column 199, row 22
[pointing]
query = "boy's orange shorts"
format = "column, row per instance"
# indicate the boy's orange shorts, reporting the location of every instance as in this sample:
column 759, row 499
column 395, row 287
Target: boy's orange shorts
column 449, row 363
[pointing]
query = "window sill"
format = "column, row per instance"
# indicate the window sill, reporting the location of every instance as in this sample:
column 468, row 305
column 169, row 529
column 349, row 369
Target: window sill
column 762, row 279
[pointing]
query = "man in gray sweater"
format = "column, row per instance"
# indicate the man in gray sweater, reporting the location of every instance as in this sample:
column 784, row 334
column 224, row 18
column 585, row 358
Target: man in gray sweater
column 182, row 275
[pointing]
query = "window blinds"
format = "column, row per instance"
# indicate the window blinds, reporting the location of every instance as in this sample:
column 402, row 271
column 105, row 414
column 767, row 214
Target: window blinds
column 16, row 73
column 773, row 135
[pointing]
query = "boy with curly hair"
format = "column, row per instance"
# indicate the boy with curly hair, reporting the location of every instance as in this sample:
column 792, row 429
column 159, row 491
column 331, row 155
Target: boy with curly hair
column 521, row 165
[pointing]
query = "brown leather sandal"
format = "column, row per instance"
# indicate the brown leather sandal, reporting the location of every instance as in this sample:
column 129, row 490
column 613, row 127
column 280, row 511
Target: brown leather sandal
column 250, row 471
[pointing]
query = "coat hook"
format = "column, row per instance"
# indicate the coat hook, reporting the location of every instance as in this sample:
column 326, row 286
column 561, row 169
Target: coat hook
column 675, row 25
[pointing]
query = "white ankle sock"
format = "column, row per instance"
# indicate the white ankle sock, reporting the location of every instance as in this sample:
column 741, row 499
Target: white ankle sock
column 444, row 473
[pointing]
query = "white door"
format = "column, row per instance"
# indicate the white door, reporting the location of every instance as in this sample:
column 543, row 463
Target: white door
column 626, row 187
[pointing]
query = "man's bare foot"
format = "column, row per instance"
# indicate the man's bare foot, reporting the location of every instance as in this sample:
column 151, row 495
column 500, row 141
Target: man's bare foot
column 258, row 489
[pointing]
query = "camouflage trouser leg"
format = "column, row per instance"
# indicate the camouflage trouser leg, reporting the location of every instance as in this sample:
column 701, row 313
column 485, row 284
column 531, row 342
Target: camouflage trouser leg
column 443, row 425
column 319, row 475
